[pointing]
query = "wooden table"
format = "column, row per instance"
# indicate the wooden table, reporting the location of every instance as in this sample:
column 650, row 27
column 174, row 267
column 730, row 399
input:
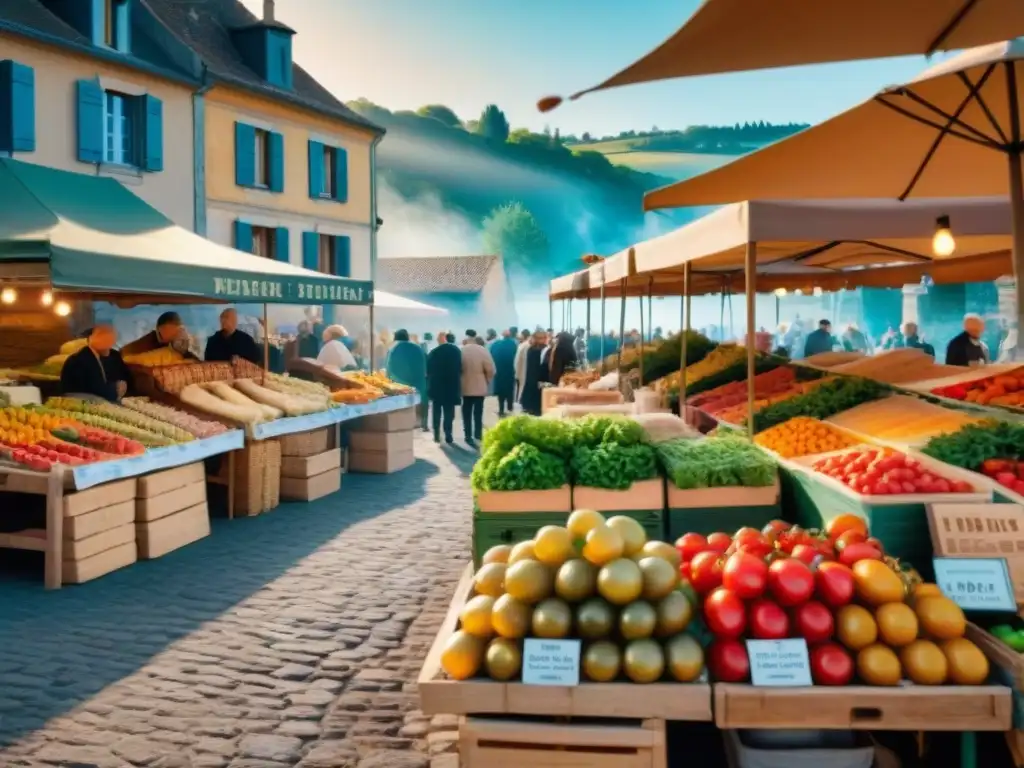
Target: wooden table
column 50, row 540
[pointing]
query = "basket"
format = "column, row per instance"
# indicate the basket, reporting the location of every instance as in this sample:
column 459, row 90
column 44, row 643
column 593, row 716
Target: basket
column 243, row 369
column 257, row 481
column 174, row 378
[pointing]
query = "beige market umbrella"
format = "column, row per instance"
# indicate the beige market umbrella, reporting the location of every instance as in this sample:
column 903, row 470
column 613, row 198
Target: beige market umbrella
column 740, row 35
column 955, row 130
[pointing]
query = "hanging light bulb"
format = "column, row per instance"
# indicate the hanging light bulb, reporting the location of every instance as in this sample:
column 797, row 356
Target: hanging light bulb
column 818, row 291
column 780, row 292
column 943, row 243
column 63, row 309
column 8, row 295
column 46, row 298
column 798, row 292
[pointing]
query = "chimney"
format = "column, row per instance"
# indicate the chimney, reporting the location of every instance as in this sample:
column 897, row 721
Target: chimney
column 268, row 10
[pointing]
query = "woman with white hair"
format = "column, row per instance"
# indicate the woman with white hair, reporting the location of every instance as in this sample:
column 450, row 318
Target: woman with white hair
column 334, row 353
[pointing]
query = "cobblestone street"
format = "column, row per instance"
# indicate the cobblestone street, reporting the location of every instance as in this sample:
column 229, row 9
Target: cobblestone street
column 291, row 639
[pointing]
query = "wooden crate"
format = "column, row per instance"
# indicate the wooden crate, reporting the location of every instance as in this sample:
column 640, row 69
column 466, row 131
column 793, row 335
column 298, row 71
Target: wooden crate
column 859, row 707
column 441, row 695
column 485, row 743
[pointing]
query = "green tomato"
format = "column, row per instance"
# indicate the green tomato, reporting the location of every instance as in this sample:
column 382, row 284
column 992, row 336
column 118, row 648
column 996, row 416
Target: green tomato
column 1002, row 631
column 1016, row 641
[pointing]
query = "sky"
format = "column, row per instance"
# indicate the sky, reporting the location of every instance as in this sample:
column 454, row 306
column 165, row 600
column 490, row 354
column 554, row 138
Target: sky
column 466, row 54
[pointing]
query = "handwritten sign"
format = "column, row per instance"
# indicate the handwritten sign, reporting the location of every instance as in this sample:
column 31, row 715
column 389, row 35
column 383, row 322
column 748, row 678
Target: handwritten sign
column 976, row 584
column 551, row 662
column 779, row 663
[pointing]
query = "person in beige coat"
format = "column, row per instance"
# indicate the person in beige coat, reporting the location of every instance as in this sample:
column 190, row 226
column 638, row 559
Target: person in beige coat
column 477, row 375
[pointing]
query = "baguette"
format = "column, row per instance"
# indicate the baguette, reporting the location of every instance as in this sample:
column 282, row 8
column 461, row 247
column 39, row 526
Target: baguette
column 231, row 395
column 197, row 397
column 293, row 405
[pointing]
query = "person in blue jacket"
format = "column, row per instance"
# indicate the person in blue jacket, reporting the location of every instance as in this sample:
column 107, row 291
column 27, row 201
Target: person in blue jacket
column 407, row 364
column 503, row 351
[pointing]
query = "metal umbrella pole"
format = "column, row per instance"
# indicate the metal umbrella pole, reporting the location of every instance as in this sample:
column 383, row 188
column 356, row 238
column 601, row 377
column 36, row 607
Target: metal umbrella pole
column 622, row 323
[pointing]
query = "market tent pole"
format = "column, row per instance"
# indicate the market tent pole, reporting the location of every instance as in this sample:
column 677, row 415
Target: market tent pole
column 551, row 314
column 373, row 344
column 266, row 341
column 642, row 339
column 603, row 324
column 751, row 283
column 684, row 330
column 622, row 323
column 586, row 356
column 650, row 308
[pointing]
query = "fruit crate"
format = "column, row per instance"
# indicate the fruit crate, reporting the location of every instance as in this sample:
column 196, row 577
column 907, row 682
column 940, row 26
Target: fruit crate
column 493, row 528
column 707, row 510
column 513, row 743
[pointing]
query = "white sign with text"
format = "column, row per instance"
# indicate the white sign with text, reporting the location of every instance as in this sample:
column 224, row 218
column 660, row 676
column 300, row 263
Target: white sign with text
column 976, row 583
column 551, row 662
column 779, row 663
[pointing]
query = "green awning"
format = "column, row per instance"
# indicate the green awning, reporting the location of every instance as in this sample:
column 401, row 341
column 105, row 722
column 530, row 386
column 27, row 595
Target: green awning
column 91, row 235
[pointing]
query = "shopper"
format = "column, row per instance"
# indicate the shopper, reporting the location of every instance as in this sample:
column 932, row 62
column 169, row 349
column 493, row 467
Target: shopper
column 911, row 338
column 407, row 364
column 534, row 374
column 97, row 369
column 562, row 357
column 428, row 343
column 820, row 340
column 307, row 344
column 967, row 348
column 335, row 353
column 170, row 332
column 477, row 375
column 525, row 341
column 503, row 352
column 854, row 340
column 444, row 377
column 230, row 342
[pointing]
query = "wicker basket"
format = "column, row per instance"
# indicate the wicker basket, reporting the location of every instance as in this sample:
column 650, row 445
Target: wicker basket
column 243, row 369
column 174, row 378
column 257, row 485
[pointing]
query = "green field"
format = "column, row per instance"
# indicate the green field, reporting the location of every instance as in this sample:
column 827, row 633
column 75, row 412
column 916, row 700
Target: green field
column 613, row 146
column 674, row 165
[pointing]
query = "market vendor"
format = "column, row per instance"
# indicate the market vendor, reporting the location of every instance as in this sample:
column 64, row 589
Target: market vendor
column 170, row 332
column 967, row 348
column 230, row 342
column 97, row 369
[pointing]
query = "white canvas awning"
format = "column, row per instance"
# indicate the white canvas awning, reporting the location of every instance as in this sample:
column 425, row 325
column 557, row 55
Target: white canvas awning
column 385, row 300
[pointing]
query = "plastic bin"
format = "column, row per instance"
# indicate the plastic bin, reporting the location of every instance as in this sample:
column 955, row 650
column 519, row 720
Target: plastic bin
column 853, row 751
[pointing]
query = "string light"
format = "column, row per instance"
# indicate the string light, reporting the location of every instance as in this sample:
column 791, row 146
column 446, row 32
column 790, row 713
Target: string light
column 46, row 298
column 780, row 292
column 818, row 291
column 63, row 309
column 8, row 295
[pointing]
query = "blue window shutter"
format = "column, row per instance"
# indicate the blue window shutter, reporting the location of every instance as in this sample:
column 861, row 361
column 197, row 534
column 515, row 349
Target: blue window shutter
column 343, row 256
column 316, row 168
column 17, row 107
column 311, row 250
column 90, row 121
column 276, row 162
column 245, row 155
column 340, row 175
column 153, row 146
column 282, row 251
column 123, row 26
column 243, row 236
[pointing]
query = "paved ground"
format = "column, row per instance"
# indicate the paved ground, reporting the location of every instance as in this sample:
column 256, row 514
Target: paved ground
column 292, row 639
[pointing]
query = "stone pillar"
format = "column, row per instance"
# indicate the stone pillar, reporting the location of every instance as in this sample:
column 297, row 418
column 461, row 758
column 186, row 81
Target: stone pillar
column 911, row 293
column 1007, row 292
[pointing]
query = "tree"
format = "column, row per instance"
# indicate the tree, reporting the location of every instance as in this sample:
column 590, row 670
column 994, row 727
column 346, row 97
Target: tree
column 440, row 113
column 511, row 231
column 586, row 136
column 493, row 124
column 556, row 138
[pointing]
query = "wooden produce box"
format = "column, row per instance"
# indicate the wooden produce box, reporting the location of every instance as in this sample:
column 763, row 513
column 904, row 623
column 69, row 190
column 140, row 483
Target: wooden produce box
column 99, row 534
column 394, row 421
column 305, row 443
column 644, row 494
column 552, row 397
column 865, row 708
column 309, row 466
column 706, row 510
column 481, row 696
column 555, row 500
column 311, row 477
column 380, row 462
column 382, row 442
column 492, row 743
column 171, row 510
column 158, row 537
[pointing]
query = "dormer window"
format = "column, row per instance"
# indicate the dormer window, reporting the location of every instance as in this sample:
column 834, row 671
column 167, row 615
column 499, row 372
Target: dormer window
column 115, row 24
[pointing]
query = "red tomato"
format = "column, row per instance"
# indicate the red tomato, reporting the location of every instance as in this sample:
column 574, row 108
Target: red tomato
column 774, row 528
column 724, row 614
column 790, row 581
column 834, row 584
column 849, row 537
column 805, row 553
column 813, row 622
column 745, row 574
column 768, row 621
column 759, row 547
column 690, row 545
column 831, row 664
column 746, row 533
column 857, row 552
column 728, row 661
column 706, row 572
column 719, row 541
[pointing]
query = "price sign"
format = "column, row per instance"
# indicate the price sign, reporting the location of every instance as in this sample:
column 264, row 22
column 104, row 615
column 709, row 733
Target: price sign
column 551, row 662
column 779, row 663
column 976, row 583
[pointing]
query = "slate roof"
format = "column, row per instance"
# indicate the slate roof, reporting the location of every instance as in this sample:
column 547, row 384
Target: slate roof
column 445, row 274
column 205, row 27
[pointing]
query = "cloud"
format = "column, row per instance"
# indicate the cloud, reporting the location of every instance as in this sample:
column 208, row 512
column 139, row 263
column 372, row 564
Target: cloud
column 422, row 227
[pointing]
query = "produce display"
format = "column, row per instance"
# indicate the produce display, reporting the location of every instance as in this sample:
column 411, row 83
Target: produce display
column 98, row 415
column 831, row 359
column 864, row 617
column 123, row 415
column 884, row 471
column 662, row 359
column 524, row 453
column 155, row 358
column 292, row 386
column 164, row 413
column 774, row 382
column 597, row 580
column 1013, row 637
column 200, row 398
column 174, row 378
column 1005, row 390
column 378, row 381
column 718, row 359
column 994, row 448
column 901, row 418
column 42, row 456
column 728, row 375
column 725, row 461
column 739, row 413
column 611, row 452
column 896, row 366
column 579, row 379
column 804, row 436
column 828, row 399
column 291, row 405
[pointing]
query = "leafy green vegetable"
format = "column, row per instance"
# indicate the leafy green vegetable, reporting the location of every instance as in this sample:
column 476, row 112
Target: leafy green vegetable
column 665, row 359
column 595, row 429
column 524, row 468
column 613, row 465
column 549, row 435
column 972, row 445
column 716, row 462
column 825, row 400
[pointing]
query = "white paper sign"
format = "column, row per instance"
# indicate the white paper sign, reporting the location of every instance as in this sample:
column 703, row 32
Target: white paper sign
column 779, row 663
column 976, row 583
column 551, row 662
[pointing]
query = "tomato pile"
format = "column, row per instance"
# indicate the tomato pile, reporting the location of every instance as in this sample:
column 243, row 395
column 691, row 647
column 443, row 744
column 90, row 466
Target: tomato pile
column 861, row 615
column 1007, row 472
column 883, row 471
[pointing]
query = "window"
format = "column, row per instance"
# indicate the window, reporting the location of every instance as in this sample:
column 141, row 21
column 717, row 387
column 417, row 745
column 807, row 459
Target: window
column 326, row 261
column 264, row 242
column 329, row 180
column 119, row 129
column 262, row 154
column 115, row 24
